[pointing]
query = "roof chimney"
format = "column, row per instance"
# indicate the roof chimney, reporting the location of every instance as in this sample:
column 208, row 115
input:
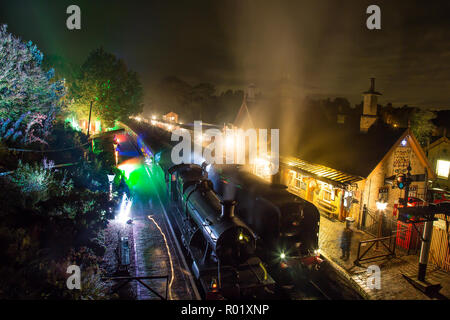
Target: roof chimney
column 227, row 209
column 370, row 107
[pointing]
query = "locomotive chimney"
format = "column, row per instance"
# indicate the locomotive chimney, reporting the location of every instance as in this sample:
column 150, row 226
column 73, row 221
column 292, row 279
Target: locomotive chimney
column 276, row 178
column 227, row 209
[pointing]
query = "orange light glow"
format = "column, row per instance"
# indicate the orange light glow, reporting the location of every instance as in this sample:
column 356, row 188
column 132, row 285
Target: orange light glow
column 168, row 253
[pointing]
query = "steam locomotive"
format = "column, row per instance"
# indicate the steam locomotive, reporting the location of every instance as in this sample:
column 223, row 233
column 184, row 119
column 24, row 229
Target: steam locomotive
column 220, row 245
column 285, row 227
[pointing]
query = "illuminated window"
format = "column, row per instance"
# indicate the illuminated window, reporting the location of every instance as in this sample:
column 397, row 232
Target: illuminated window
column 442, row 168
column 299, row 183
column 328, row 193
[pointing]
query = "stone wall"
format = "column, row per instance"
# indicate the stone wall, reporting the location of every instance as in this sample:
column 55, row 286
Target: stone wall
column 394, row 164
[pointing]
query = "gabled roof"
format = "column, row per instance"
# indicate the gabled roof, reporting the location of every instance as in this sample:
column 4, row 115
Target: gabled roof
column 438, row 142
column 415, row 146
column 348, row 150
column 244, row 119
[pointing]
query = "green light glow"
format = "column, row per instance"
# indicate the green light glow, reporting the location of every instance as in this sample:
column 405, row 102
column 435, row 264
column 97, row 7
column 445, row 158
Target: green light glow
column 73, row 123
column 128, row 168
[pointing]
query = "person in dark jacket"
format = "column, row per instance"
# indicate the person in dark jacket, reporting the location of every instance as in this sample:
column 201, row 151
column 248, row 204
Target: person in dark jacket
column 346, row 240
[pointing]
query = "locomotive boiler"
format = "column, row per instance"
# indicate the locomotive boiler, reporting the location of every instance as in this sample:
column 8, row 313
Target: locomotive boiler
column 220, row 244
column 287, row 225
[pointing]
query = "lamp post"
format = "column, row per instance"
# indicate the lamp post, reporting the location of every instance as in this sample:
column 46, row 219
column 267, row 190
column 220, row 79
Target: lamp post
column 381, row 206
column 89, row 122
column 110, row 179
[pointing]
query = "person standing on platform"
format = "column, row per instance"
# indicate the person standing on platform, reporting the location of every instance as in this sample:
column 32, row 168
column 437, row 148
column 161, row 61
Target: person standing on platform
column 346, row 239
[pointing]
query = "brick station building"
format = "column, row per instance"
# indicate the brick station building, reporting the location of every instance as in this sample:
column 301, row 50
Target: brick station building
column 348, row 170
column 344, row 172
column 339, row 194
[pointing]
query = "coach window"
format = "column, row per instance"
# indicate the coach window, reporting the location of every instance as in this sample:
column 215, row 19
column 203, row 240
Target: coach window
column 328, row 192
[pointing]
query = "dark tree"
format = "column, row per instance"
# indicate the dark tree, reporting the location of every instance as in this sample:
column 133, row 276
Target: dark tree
column 105, row 81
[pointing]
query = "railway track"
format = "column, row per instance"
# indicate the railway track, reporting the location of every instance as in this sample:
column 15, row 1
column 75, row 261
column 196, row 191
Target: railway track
column 173, row 243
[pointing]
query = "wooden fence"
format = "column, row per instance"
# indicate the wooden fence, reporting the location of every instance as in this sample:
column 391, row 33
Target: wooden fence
column 439, row 250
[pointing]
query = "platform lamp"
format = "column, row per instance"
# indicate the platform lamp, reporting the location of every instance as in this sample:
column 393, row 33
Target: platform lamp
column 381, row 206
column 110, row 179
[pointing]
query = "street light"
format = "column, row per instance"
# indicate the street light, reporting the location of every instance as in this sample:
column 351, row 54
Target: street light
column 381, row 205
column 110, row 179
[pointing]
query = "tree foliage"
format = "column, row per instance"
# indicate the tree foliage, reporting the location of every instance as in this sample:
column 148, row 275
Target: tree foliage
column 422, row 125
column 52, row 218
column 105, row 81
column 29, row 99
column 49, row 222
column 195, row 102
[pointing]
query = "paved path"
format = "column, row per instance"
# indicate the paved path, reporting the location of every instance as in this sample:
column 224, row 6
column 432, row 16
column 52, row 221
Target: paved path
column 393, row 285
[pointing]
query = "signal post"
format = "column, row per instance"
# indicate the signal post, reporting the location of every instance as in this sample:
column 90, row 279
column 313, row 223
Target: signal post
column 419, row 214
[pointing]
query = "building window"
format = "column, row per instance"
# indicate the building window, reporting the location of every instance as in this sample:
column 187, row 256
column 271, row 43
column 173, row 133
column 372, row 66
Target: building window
column 348, row 198
column 413, row 191
column 341, row 118
column 383, row 194
column 327, row 192
column 298, row 181
column 442, row 168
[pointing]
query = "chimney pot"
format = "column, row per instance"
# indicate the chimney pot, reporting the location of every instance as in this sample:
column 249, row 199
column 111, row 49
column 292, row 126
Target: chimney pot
column 372, row 84
column 227, row 209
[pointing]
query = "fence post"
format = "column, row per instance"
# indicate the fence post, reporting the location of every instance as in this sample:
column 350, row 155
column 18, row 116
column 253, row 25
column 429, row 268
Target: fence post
column 364, row 214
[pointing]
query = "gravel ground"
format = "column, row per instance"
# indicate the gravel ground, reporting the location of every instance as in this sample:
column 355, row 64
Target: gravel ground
column 110, row 258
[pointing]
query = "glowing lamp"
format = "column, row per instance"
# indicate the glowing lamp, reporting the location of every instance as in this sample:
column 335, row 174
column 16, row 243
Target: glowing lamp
column 214, row 285
column 381, row 205
column 403, row 143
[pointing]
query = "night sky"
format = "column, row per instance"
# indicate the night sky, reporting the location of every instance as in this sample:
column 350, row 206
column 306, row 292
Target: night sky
column 324, row 47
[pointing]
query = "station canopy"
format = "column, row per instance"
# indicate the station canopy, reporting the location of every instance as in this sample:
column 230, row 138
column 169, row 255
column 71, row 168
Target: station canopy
column 320, row 172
